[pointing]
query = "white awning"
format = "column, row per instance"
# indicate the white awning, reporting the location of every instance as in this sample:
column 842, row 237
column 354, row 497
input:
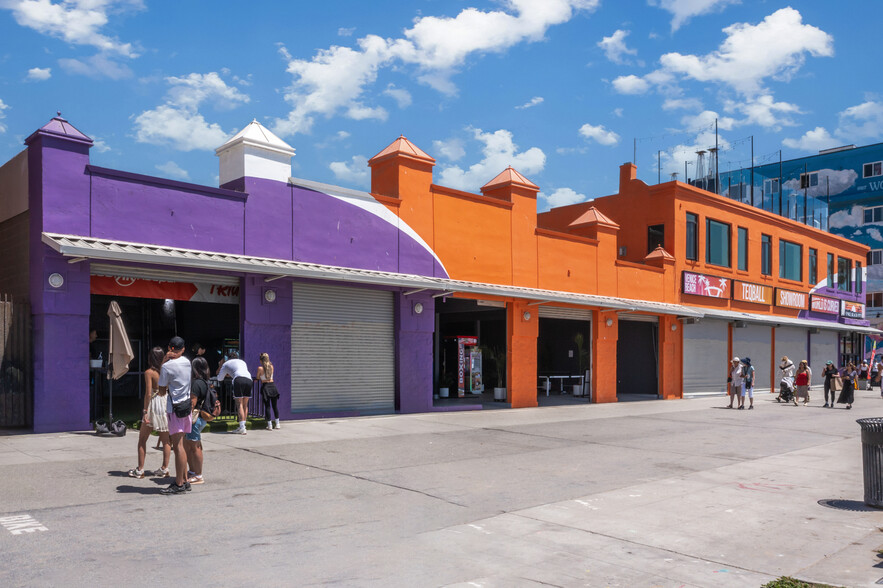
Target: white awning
column 786, row 321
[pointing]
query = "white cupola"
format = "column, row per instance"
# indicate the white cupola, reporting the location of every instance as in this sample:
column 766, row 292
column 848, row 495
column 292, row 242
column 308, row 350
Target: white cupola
column 255, row 152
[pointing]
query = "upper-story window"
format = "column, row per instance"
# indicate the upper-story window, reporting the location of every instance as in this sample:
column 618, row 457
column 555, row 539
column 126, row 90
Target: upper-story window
column 875, row 257
column 872, row 170
column 771, row 186
column 844, row 269
column 692, row 236
column 717, row 243
column 831, row 275
column 790, row 261
column 809, row 180
column 766, row 255
column 813, row 266
column 873, row 214
column 742, row 249
column 874, row 299
column 655, row 237
column 859, row 277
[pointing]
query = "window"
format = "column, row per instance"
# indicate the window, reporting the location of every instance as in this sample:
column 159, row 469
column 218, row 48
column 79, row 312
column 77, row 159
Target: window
column 655, row 237
column 809, row 180
column 813, row 266
column 766, row 255
column 875, row 257
column 872, row 170
column 844, row 269
column 830, row 283
column 874, row 299
column 858, row 277
column 692, row 236
column 873, row 214
column 790, row 260
column 771, row 186
column 742, row 253
column 717, row 243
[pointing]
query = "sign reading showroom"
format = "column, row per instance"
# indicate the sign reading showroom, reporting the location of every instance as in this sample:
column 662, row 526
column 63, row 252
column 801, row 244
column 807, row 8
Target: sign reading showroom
column 824, row 304
column 703, row 285
column 748, row 292
column 791, row 299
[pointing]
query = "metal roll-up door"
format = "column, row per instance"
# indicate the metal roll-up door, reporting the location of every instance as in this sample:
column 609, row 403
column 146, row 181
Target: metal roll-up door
column 822, row 348
column 575, row 314
column 792, row 342
column 705, row 358
column 342, row 349
column 755, row 341
column 640, row 318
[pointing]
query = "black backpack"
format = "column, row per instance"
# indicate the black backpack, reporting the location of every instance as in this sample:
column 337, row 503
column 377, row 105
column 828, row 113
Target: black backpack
column 210, row 407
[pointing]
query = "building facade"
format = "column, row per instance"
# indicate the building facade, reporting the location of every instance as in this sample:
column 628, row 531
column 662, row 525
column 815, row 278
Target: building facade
column 371, row 303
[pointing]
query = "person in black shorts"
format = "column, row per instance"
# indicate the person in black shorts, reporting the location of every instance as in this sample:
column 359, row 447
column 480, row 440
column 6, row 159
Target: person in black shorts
column 242, row 384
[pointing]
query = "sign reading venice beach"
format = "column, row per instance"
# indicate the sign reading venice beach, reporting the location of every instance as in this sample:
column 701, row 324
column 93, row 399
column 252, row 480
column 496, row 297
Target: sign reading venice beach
column 748, row 292
column 791, row 299
column 703, row 285
column 853, row 310
column 824, row 304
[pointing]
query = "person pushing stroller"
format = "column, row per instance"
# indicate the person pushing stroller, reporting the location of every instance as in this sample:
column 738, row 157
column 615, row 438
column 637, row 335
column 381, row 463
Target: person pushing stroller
column 786, row 384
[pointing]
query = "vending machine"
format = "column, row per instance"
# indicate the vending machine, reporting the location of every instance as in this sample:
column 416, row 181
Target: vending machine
column 469, row 375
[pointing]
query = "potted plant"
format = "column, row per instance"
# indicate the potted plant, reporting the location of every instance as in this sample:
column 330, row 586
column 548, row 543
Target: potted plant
column 498, row 356
column 448, row 381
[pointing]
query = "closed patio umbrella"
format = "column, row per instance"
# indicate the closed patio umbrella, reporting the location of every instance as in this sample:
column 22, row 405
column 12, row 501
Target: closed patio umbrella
column 120, row 351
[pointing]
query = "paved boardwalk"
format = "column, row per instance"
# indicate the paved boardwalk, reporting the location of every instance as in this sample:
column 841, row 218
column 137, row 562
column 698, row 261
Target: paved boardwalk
column 660, row 493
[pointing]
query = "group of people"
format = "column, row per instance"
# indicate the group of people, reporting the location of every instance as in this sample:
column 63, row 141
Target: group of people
column 179, row 401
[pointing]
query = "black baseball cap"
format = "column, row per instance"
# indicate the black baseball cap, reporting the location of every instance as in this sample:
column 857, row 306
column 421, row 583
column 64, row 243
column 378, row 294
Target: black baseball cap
column 176, row 343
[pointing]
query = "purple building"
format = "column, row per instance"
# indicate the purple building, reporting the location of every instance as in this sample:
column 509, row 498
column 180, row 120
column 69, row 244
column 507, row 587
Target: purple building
column 336, row 288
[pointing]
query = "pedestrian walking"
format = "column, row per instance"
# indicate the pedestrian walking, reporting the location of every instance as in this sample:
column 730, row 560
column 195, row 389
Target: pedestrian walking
column 242, row 385
column 863, row 371
column 269, row 392
column 205, row 408
column 802, row 381
column 734, row 379
column 847, row 395
column 153, row 417
column 875, row 373
column 748, row 384
column 830, row 373
column 174, row 378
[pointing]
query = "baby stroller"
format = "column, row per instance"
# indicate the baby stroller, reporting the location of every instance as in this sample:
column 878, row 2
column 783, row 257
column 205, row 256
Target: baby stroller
column 786, row 390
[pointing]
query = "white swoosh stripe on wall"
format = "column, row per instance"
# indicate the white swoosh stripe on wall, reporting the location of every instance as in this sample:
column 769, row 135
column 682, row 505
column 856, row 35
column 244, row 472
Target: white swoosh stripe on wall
column 366, row 202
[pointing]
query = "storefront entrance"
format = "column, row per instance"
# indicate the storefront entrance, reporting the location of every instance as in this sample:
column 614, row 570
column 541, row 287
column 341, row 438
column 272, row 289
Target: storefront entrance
column 637, row 359
column 564, row 356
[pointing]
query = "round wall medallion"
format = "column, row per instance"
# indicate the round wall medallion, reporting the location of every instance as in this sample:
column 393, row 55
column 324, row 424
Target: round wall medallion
column 270, row 295
column 56, row 280
column 418, row 307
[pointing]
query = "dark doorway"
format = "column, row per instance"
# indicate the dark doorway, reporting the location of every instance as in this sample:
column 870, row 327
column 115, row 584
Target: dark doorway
column 563, row 352
column 637, row 365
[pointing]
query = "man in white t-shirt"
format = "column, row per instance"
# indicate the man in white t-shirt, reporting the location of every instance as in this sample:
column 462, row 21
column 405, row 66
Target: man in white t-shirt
column 242, row 385
column 174, row 376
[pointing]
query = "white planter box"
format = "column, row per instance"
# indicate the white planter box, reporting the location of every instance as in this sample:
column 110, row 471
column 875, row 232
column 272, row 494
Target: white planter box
column 499, row 394
column 444, row 392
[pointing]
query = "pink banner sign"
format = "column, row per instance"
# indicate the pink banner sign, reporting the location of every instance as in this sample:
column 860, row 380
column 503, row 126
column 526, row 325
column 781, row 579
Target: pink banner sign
column 704, row 285
column 824, row 304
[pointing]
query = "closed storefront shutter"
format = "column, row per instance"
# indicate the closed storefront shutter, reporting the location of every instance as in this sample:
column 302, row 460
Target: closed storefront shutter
column 705, row 358
column 822, row 348
column 755, row 341
column 576, row 314
column 342, row 349
column 792, row 342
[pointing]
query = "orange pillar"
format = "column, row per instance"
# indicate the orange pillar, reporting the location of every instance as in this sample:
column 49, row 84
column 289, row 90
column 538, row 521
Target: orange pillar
column 521, row 353
column 671, row 337
column 604, row 340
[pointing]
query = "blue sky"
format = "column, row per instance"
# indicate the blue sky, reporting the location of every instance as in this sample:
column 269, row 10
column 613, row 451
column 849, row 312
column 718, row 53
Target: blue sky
column 559, row 89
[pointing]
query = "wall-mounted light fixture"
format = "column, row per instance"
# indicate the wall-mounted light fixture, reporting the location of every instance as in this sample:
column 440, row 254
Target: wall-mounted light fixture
column 526, row 315
column 674, row 326
column 56, row 280
column 418, row 307
column 610, row 322
column 270, row 295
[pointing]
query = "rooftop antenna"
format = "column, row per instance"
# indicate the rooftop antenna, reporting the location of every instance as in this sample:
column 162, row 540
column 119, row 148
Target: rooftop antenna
column 700, row 169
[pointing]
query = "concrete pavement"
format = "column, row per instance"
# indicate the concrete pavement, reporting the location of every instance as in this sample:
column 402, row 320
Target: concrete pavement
column 673, row 493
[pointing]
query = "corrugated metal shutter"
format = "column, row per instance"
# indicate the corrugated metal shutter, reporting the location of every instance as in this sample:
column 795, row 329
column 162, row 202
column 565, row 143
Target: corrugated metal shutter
column 792, row 342
column 822, row 348
column 103, row 269
column 641, row 318
column 575, row 314
column 342, row 349
column 756, row 342
column 705, row 358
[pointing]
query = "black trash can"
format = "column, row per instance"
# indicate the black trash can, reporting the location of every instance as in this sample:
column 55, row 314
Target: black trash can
column 872, row 460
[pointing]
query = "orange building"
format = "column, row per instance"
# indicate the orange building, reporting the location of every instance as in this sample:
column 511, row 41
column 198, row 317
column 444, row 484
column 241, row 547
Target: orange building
column 648, row 291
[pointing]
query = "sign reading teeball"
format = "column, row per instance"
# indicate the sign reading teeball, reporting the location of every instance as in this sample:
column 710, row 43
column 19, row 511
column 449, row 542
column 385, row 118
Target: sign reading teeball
column 791, row 299
column 756, row 293
column 853, row 310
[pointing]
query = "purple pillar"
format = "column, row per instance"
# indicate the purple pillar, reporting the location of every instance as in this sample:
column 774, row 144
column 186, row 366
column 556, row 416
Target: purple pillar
column 414, row 352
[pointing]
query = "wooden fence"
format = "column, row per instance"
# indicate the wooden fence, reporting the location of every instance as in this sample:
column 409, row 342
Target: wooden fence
column 16, row 364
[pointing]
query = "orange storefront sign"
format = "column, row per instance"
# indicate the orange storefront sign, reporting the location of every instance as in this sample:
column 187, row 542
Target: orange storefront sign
column 791, row 299
column 749, row 292
column 705, row 285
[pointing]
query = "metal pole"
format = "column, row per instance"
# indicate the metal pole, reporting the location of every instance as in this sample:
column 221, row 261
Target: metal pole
column 752, row 170
column 717, row 178
column 805, row 190
column 780, row 182
column 635, row 151
column 658, row 167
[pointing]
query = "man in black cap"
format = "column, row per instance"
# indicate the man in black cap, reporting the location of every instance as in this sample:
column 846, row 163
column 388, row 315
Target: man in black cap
column 174, row 376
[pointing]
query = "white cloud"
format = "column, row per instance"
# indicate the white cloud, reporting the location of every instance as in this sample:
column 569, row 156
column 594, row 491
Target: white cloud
column 764, row 111
column 99, row 145
column 615, row 49
column 599, row 134
column 39, row 74
column 354, row 172
column 78, row 22
column 842, row 218
column 561, row 197
column 346, row 32
column 684, row 10
column 400, row 95
column 173, row 170
column 499, row 151
column 179, row 123
column 682, row 104
column 452, row 149
column 863, row 122
column 536, row 100
column 97, row 66
column 617, row 112
column 705, row 120
column 813, row 140
column 831, row 183
column 335, row 80
column 631, row 84
column 875, row 234
column 2, row 116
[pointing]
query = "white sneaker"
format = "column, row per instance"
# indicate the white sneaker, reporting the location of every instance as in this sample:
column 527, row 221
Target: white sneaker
column 269, row 425
column 278, row 426
column 239, row 431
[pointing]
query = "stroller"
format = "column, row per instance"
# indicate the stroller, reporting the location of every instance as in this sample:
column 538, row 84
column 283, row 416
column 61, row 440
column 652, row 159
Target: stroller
column 786, row 390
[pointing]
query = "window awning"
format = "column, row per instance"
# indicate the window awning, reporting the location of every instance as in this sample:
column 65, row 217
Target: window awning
column 79, row 247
